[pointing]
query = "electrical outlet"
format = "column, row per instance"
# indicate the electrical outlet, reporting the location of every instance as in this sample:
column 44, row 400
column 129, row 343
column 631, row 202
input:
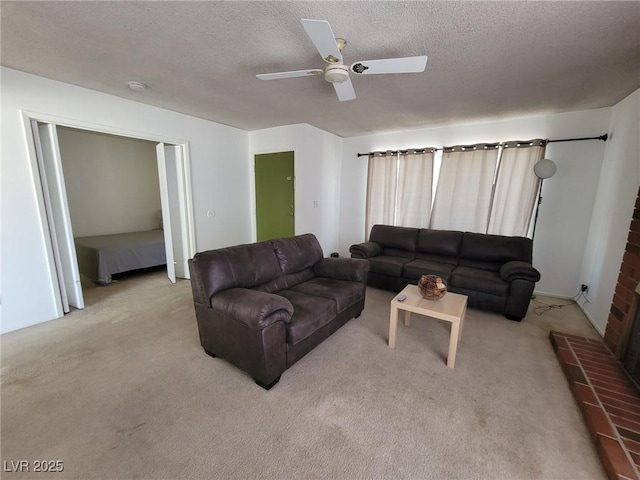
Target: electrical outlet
column 584, row 288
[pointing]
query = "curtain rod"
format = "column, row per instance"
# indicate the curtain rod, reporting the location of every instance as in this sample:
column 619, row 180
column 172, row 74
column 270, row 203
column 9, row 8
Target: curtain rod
column 601, row 137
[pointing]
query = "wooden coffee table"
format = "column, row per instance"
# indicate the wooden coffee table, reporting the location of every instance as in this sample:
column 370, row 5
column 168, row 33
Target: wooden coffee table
column 451, row 308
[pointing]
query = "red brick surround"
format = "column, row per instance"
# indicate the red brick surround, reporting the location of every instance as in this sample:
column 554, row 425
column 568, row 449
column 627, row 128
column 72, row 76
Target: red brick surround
column 607, row 397
column 625, row 300
column 608, row 400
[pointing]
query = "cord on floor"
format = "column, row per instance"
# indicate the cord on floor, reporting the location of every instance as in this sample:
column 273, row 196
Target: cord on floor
column 545, row 307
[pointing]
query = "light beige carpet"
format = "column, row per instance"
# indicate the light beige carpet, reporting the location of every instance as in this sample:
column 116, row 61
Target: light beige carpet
column 123, row 390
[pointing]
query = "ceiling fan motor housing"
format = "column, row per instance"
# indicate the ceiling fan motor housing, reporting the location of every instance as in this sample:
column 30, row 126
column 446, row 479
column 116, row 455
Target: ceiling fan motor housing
column 336, row 73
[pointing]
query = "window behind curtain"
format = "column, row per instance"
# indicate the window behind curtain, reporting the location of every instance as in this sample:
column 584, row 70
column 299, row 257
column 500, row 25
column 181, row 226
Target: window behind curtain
column 485, row 188
column 516, row 188
column 399, row 189
column 415, row 178
column 381, row 189
column 463, row 195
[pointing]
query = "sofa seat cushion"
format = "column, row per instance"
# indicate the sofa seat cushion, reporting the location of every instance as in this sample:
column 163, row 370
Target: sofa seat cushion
column 343, row 292
column 309, row 314
column 388, row 265
column 479, row 280
column 416, row 268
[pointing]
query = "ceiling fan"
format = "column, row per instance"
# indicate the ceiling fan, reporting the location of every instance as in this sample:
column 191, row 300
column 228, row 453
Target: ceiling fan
column 336, row 72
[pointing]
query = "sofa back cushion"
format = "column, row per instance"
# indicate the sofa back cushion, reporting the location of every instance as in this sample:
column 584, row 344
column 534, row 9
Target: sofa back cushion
column 490, row 252
column 243, row 266
column 297, row 253
column 395, row 241
column 439, row 245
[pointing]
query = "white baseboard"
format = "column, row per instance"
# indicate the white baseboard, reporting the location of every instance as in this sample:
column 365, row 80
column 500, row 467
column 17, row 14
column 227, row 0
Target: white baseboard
column 591, row 321
column 586, row 314
column 554, row 295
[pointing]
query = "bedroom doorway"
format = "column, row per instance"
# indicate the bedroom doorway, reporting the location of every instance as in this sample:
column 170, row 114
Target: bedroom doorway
column 176, row 206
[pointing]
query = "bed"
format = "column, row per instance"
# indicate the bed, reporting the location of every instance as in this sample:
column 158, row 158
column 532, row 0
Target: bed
column 102, row 256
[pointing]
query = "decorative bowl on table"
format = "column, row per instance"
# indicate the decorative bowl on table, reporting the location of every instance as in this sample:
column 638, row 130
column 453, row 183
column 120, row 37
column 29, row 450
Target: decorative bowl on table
column 432, row 287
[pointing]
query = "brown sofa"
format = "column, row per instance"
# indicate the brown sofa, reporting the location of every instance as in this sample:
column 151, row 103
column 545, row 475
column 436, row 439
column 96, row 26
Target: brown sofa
column 493, row 271
column 263, row 306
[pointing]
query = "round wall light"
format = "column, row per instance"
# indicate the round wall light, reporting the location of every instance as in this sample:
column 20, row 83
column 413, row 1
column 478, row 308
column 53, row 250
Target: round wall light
column 544, row 168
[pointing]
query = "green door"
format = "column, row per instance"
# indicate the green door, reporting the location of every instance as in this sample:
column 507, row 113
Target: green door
column 275, row 207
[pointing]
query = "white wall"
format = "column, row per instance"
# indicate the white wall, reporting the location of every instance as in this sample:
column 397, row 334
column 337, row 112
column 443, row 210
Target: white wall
column 317, row 158
column 568, row 197
column 576, row 242
column 219, row 175
column 112, row 182
column 616, row 193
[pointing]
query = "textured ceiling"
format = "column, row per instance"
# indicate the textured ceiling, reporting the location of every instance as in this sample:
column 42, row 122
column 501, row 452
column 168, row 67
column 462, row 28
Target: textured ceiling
column 486, row 59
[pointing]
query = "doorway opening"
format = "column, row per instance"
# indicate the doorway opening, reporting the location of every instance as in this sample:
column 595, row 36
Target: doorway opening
column 166, row 233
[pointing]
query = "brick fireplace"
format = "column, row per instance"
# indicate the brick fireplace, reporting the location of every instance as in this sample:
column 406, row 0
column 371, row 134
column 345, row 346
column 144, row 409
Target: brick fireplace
column 595, row 369
column 624, row 308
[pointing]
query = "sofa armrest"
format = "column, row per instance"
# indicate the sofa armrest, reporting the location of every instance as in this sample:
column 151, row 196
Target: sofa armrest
column 353, row 269
column 518, row 270
column 365, row 250
column 252, row 308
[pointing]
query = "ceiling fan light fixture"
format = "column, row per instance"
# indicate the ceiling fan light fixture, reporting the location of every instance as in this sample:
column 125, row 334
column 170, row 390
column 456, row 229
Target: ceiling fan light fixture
column 336, row 73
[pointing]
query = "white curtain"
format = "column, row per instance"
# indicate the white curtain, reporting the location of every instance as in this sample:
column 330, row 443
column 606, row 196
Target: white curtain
column 382, row 185
column 516, row 188
column 463, row 194
column 414, row 189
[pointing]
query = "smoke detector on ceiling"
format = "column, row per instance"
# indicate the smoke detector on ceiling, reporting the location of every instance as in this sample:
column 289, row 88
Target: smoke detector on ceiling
column 137, row 86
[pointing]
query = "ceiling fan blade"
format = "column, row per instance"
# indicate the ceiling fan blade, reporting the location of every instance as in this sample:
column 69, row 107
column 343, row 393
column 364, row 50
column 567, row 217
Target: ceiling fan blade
column 322, row 36
column 293, row 74
column 345, row 91
column 390, row 65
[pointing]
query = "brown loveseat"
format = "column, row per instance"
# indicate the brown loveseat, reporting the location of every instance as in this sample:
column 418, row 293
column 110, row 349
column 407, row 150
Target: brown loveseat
column 263, row 306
